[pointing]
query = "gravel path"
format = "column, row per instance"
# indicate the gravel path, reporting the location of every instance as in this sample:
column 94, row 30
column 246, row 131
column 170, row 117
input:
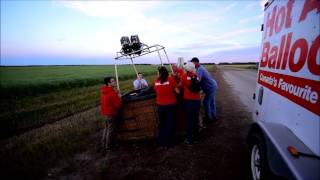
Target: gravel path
column 243, row 82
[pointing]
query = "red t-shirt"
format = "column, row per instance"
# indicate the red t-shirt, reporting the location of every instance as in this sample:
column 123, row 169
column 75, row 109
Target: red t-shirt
column 186, row 81
column 110, row 101
column 165, row 91
column 179, row 72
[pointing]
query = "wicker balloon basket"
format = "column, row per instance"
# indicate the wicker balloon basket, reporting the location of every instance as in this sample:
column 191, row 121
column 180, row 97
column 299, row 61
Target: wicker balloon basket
column 138, row 118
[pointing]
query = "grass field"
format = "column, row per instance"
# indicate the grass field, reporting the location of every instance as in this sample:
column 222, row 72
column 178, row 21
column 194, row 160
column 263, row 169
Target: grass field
column 57, row 122
column 31, row 81
column 34, row 96
column 12, row 76
column 57, row 107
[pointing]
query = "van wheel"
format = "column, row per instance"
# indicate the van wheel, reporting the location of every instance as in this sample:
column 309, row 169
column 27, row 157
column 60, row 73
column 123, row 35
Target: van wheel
column 258, row 159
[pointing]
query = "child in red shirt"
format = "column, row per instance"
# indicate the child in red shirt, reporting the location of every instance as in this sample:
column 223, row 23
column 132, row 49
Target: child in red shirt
column 165, row 87
column 110, row 105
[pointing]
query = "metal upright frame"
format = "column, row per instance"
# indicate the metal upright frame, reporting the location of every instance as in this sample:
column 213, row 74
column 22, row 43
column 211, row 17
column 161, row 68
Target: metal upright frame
column 134, row 54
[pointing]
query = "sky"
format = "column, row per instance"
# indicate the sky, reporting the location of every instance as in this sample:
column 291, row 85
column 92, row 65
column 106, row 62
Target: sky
column 47, row 32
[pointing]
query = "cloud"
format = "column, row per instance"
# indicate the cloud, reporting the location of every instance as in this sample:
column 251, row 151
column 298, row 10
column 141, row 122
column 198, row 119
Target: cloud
column 251, row 5
column 186, row 32
column 245, row 54
column 131, row 18
column 106, row 9
column 126, row 18
column 227, row 8
column 61, row 39
column 219, row 44
column 250, row 19
column 238, row 32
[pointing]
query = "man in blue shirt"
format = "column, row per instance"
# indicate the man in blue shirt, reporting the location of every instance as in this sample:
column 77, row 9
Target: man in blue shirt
column 209, row 87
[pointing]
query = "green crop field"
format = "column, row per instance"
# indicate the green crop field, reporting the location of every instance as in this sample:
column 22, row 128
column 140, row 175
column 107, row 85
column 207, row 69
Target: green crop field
column 34, row 96
column 30, row 81
column 11, row 76
column 58, row 101
column 56, row 110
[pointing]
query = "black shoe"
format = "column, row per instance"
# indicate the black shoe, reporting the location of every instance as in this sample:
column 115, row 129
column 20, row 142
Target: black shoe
column 209, row 121
column 215, row 120
column 186, row 142
column 162, row 148
column 105, row 151
column 114, row 146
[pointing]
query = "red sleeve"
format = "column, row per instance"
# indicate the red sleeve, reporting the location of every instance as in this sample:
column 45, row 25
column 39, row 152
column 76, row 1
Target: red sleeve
column 117, row 101
column 181, row 72
column 182, row 80
column 173, row 82
column 153, row 84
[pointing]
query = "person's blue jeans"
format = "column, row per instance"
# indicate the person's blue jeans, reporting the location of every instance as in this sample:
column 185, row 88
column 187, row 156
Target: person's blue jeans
column 209, row 104
column 192, row 110
column 166, row 124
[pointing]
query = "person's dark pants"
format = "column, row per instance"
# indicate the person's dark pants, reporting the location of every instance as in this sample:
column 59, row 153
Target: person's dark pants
column 166, row 124
column 209, row 103
column 107, row 135
column 192, row 110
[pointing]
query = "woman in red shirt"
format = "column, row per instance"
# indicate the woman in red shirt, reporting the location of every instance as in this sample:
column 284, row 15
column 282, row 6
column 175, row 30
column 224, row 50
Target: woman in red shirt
column 191, row 103
column 165, row 87
column 110, row 105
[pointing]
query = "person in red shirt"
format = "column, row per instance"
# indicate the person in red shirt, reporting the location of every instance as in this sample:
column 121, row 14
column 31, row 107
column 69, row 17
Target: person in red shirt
column 178, row 72
column 191, row 103
column 166, row 89
column 110, row 105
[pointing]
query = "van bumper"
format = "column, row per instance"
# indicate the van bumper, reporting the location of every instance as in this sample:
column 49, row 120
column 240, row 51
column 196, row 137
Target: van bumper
column 277, row 138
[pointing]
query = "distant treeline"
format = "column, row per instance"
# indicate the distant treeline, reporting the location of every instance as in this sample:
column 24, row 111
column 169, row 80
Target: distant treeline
column 200, row 62
column 221, row 63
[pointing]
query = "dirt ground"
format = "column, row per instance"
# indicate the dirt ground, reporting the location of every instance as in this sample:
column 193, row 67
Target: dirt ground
column 221, row 153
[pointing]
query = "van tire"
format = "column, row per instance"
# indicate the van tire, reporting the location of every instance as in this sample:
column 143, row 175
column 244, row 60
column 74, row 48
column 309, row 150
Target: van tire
column 259, row 167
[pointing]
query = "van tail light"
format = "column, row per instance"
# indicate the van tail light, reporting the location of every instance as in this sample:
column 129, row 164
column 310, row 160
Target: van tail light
column 294, row 152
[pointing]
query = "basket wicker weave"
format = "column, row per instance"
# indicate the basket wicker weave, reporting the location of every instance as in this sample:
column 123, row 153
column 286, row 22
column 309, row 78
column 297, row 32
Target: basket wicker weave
column 138, row 119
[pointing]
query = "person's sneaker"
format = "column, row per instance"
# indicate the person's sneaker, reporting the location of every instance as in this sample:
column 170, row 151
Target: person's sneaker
column 196, row 140
column 114, row 146
column 162, row 148
column 207, row 121
column 186, row 142
column 105, row 151
column 98, row 147
column 215, row 118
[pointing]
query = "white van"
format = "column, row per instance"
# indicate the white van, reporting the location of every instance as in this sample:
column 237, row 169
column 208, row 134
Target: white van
column 284, row 139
